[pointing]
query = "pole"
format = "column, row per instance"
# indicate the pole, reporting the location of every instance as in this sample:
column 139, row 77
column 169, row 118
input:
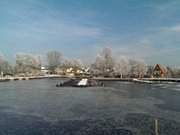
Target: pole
column 156, row 127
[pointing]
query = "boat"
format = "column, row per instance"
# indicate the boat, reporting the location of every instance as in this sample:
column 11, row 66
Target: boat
column 80, row 83
column 68, row 83
column 142, row 81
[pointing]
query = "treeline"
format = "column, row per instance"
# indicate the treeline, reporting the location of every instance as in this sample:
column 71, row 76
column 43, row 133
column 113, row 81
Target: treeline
column 105, row 65
column 29, row 64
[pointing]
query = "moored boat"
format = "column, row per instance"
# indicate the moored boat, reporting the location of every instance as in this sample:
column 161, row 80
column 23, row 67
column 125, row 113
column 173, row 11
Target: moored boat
column 80, row 83
column 142, row 81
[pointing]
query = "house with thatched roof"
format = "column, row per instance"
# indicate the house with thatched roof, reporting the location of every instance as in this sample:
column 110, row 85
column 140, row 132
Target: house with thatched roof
column 159, row 71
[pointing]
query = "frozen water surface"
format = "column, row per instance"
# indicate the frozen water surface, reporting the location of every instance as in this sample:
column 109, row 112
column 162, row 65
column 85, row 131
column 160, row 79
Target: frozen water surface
column 37, row 107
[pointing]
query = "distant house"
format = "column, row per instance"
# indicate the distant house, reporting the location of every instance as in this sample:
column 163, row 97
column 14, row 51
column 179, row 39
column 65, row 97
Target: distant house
column 70, row 70
column 44, row 70
column 59, row 71
column 83, row 72
column 159, row 71
column 77, row 71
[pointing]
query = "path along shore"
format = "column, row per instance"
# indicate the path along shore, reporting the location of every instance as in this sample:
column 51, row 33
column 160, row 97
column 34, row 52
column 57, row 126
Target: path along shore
column 2, row 79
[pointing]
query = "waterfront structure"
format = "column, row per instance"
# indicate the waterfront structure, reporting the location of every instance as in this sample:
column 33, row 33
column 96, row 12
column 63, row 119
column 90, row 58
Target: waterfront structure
column 44, row 70
column 159, row 71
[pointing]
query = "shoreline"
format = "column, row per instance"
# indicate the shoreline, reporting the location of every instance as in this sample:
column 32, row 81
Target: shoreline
column 136, row 80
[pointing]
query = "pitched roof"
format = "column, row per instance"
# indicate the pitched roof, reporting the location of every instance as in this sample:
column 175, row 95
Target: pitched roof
column 161, row 67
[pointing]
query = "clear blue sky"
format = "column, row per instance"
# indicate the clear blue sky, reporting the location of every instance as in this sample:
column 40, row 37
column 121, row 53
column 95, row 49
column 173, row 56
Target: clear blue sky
column 80, row 28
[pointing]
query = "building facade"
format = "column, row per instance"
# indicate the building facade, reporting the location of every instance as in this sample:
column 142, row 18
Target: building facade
column 159, row 71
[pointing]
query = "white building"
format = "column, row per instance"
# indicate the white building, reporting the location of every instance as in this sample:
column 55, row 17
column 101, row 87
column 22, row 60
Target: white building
column 44, row 70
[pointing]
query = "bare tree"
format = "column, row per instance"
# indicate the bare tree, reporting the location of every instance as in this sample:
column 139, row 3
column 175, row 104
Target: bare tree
column 76, row 63
column 170, row 72
column 98, row 66
column 108, row 59
column 55, row 59
column 122, row 67
column 27, row 63
column 176, row 72
column 150, row 69
column 138, row 68
column 5, row 67
column 104, row 63
column 72, row 63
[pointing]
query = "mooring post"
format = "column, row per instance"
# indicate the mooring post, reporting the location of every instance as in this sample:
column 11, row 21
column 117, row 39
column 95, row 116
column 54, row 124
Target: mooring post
column 156, row 127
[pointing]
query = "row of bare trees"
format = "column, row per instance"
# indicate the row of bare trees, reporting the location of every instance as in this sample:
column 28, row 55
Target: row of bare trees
column 27, row 63
column 106, row 64
column 56, row 60
column 5, row 67
column 30, row 64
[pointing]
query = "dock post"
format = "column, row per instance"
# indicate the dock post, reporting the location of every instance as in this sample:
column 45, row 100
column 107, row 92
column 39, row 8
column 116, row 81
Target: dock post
column 156, row 127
